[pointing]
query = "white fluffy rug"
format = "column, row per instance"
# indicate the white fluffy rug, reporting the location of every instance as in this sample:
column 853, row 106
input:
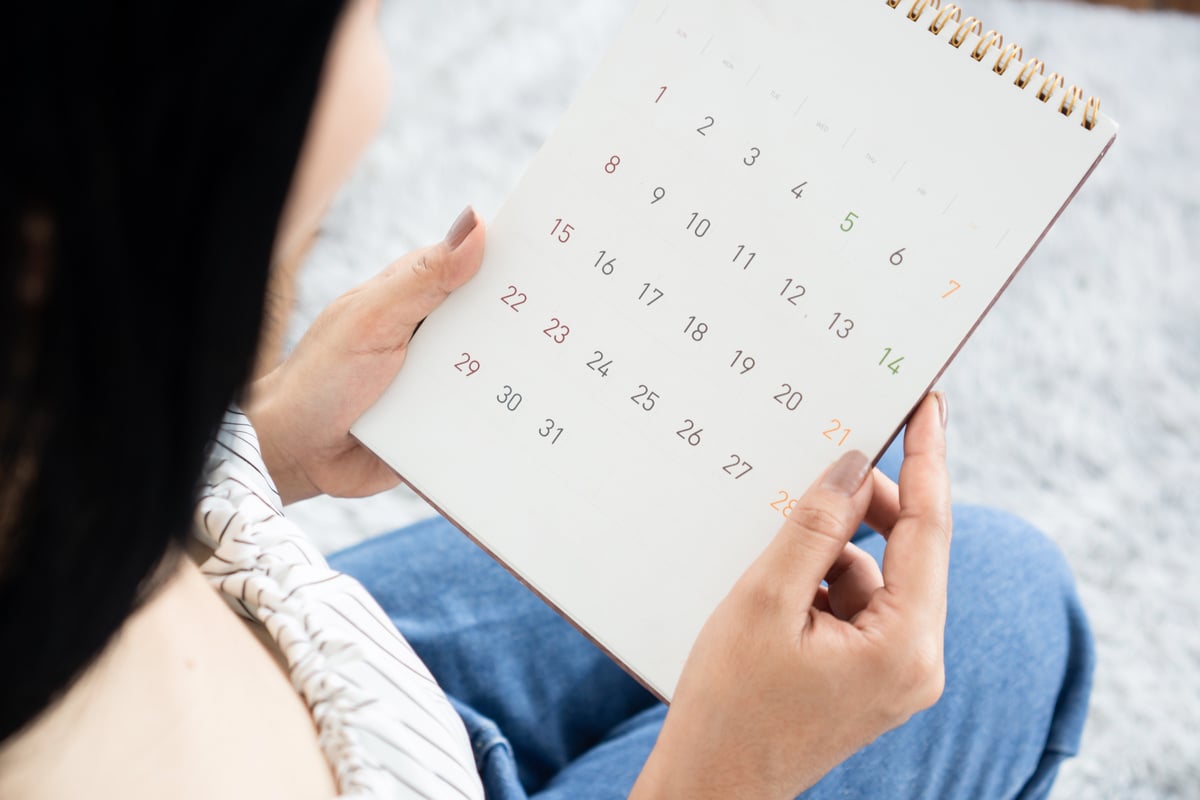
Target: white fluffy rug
column 1076, row 404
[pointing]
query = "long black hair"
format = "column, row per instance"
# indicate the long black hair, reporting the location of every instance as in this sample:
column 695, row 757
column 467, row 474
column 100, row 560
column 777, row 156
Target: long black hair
column 149, row 149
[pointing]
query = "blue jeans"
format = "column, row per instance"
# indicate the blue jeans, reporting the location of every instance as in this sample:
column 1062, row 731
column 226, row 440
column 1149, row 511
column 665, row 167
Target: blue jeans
column 551, row 717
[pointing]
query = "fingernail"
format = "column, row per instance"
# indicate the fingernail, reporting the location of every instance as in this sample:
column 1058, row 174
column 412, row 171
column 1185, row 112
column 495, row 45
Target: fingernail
column 847, row 473
column 461, row 228
column 943, row 408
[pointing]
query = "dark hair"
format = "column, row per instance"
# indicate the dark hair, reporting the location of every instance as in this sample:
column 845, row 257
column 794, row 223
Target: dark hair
column 151, row 148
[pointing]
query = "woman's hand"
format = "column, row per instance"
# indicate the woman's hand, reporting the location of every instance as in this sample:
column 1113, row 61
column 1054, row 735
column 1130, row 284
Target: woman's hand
column 303, row 409
column 788, row 678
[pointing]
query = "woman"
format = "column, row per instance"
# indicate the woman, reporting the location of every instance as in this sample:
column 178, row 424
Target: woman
column 164, row 158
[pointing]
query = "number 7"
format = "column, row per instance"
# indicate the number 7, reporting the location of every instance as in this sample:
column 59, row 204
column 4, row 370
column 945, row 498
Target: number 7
column 956, row 286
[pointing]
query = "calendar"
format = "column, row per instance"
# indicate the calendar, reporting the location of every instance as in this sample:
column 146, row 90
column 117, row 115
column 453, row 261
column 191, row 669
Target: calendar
column 756, row 239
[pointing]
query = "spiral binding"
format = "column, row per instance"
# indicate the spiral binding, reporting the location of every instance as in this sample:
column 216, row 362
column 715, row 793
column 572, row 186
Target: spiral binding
column 1007, row 54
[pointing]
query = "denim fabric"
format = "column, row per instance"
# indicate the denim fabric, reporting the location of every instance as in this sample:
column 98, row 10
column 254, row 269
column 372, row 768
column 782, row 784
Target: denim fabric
column 551, row 717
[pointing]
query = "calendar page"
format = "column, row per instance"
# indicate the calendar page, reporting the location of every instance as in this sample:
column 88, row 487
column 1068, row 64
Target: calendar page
column 758, row 236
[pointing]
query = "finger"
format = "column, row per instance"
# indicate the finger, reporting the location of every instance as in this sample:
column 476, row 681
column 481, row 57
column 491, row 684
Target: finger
column 885, row 504
column 410, row 288
column 819, row 526
column 917, row 557
column 853, row 579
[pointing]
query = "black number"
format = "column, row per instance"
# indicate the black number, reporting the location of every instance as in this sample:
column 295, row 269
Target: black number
column 708, row 124
column 848, row 325
column 789, row 399
column 659, row 194
column 509, row 398
column 746, row 363
column 796, row 289
column 514, row 295
column 645, row 398
column 689, row 433
column 612, row 165
column 750, row 159
column 557, row 331
column 799, row 189
column 701, row 225
column 735, row 464
column 648, row 288
column 595, row 364
column 608, row 266
column 898, row 257
column 697, row 329
column 550, row 429
column 749, row 256
column 471, row 365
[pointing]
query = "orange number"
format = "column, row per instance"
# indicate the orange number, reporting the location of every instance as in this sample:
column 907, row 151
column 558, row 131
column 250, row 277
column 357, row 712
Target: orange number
column 955, row 287
column 837, row 426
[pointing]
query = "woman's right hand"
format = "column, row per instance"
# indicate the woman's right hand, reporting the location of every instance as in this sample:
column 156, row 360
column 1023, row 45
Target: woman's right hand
column 788, row 678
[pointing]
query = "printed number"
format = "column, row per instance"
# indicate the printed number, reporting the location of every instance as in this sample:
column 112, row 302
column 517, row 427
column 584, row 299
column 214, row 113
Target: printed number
column 750, row 159
column 735, row 465
column 557, row 331
column 847, row 325
column 514, row 298
column 550, row 431
column 749, row 256
column 893, row 366
column 562, row 230
column 744, row 362
column 898, row 257
column 707, row 124
column 608, row 266
column 644, row 398
column 467, row 365
column 789, row 399
column 696, row 329
column 612, row 165
column 798, row 190
column 954, row 287
column 701, row 225
column 661, row 91
column 595, row 364
column 848, row 222
column 786, row 503
column 648, row 289
column 837, row 428
column 659, row 194
column 509, row 398
column 689, row 433
column 797, row 291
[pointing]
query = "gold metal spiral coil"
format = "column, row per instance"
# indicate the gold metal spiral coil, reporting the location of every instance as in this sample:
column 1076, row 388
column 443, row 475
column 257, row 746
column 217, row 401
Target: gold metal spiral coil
column 919, row 6
column 965, row 28
column 949, row 13
column 1032, row 66
column 1011, row 52
column 1051, row 83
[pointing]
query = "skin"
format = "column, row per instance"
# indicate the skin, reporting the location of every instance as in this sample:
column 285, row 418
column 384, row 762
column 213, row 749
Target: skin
column 786, row 679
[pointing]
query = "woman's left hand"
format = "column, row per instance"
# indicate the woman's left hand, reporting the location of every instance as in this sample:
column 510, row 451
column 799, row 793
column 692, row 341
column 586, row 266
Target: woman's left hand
column 303, row 409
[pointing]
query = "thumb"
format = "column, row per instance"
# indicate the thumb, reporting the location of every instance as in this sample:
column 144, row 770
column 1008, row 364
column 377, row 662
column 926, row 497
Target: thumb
column 820, row 524
column 410, row 288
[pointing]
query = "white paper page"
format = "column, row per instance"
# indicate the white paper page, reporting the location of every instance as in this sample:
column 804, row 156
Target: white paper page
column 784, row 220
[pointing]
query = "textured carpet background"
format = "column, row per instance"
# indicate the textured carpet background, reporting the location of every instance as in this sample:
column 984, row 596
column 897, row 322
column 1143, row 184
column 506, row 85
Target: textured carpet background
column 1076, row 404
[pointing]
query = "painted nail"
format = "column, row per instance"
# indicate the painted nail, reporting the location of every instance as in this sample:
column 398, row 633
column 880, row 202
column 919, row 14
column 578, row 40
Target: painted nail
column 847, row 473
column 461, row 228
column 943, row 408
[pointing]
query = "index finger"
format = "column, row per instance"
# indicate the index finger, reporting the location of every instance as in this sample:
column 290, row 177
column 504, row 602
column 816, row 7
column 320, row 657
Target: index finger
column 916, row 560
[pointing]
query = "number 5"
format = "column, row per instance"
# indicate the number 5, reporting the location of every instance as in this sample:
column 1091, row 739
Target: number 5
column 848, row 222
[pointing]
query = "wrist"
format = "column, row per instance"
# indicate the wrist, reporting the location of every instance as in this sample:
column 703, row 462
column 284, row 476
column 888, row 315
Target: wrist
column 269, row 425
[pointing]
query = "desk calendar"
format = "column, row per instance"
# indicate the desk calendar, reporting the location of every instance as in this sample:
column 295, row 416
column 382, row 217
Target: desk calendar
column 757, row 238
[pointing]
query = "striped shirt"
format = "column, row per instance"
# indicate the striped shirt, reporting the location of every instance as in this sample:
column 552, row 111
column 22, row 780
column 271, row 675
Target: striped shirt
column 383, row 722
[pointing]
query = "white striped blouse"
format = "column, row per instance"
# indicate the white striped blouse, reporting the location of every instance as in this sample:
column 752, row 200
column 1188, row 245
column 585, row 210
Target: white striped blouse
column 383, row 723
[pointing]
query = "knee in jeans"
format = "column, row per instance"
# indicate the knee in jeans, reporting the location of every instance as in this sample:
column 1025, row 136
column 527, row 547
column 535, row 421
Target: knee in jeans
column 1011, row 547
